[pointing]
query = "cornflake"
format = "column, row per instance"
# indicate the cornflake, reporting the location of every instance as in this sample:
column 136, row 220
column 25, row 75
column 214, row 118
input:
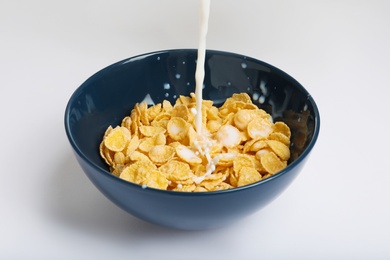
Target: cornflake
column 157, row 146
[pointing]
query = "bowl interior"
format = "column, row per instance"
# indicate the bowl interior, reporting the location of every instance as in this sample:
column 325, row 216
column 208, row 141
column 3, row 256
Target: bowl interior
column 109, row 95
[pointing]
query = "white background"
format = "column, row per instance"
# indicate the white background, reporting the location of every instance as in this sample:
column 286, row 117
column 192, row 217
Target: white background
column 337, row 208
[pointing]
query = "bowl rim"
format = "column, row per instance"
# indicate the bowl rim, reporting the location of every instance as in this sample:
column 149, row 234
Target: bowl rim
column 101, row 170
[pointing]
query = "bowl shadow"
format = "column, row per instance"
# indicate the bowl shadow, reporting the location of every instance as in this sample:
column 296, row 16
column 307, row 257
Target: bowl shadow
column 74, row 202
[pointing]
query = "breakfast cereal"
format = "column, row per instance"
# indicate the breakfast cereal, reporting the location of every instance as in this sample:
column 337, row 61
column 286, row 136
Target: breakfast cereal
column 157, row 146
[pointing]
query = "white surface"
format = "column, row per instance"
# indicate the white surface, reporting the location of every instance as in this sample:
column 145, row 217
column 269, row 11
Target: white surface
column 339, row 50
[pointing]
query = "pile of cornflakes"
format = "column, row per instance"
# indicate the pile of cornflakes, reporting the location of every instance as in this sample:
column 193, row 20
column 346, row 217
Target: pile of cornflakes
column 158, row 146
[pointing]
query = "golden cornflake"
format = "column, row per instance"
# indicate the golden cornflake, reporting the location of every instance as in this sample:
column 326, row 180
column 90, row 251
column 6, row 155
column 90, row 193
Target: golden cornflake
column 181, row 111
column 258, row 145
column 143, row 113
column 272, row 163
column 240, row 161
column 185, row 188
column 228, row 136
column 119, row 158
column 106, row 154
column 248, row 144
column 192, row 135
column 138, row 156
column 279, row 137
column 117, row 139
column 153, row 111
column 176, row 171
column 248, row 175
column 226, row 159
column 211, row 181
column 177, row 128
column 160, row 139
column 212, row 113
column 280, row 127
column 259, row 128
column 184, row 100
column 117, row 169
column 214, row 125
column 244, row 97
column 229, row 119
column 188, row 155
column 147, row 130
column 160, row 123
column 161, row 153
column 222, row 186
column 146, row 144
column 233, row 179
column 198, row 169
column 156, row 180
column 244, row 116
column 164, row 116
column 126, row 122
column 280, row 149
column 133, row 145
column 200, row 189
column 131, row 172
column 167, row 106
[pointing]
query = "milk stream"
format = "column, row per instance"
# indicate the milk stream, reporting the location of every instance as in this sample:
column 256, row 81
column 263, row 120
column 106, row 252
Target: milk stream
column 204, row 143
column 199, row 73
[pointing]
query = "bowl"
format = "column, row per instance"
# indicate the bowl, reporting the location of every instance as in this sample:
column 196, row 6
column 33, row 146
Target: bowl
column 109, row 95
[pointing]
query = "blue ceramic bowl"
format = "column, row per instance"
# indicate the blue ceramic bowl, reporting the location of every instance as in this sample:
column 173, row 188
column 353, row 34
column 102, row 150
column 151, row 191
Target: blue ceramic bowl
column 110, row 94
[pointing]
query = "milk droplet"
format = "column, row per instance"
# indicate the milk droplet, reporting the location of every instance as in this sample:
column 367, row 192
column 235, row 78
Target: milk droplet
column 188, row 83
column 174, row 96
column 166, row 94
column 229, row 83
column 305, row 107
column 193, row 111
column 167, row 86
column 262, row 99
column 178, row 76
column 255, row 95
column 144, row 186
column 158, row 58
column 203, row 86
column 263, row 87
column 184, row 62
column 244, row 65
column 248, row 88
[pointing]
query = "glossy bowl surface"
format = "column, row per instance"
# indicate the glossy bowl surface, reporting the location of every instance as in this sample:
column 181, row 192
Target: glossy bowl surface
column 109, row 95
